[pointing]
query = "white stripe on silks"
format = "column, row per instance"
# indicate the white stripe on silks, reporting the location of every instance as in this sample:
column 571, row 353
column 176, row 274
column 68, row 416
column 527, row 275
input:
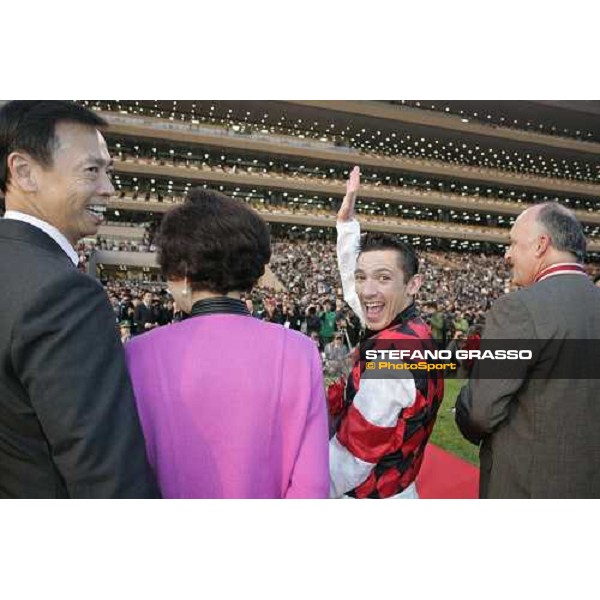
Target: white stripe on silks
column 380, row 401
column 410, row 493
column 346, row 471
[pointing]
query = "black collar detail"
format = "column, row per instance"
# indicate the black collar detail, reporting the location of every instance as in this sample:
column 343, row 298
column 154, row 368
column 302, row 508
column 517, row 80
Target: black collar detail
column 219, row 305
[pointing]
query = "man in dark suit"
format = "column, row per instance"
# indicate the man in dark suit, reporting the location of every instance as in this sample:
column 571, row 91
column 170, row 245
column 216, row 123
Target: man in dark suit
column 68, row 424
column 539, row 428
column 144, row 316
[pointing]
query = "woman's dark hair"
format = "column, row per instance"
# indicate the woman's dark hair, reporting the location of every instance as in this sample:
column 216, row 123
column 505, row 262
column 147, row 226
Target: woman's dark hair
column 30, row 126
column 218, row 243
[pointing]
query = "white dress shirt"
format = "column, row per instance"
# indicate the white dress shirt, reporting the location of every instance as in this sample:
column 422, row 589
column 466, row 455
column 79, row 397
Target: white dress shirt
column 48, row 229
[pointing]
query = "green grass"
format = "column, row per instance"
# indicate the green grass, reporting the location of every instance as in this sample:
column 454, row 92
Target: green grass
column 445, row 432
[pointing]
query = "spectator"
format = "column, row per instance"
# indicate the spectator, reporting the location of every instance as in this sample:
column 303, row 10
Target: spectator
column 125, row 331
column 537, row 430
column 335, row 355
column 203, row 393
column 69, row 425
column 145, row 315
column 327, row 328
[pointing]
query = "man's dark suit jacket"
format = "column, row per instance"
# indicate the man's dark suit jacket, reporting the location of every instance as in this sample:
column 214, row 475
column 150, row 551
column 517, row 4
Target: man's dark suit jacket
column 143, row 315
column 68, row 424
column 540, row 436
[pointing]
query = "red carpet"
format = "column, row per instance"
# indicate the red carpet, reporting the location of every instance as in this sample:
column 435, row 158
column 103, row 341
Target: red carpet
column 444, row 475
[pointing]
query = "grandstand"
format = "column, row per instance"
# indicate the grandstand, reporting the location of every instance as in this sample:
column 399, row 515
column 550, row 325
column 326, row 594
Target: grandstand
column 450, row 177
column 446, row 175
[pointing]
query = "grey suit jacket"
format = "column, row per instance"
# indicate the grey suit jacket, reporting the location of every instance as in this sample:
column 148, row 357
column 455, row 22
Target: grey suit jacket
column 68, row 424
column 540, row 436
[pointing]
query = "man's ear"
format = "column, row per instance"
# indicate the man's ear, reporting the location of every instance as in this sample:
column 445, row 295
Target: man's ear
column 414, row 284
column 22, row 169
column 544, row 242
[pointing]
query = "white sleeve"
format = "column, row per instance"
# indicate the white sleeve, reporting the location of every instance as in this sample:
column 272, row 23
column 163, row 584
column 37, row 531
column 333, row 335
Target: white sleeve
column 348, row 241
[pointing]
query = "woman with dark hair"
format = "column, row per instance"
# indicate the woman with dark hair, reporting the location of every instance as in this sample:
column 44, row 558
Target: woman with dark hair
column 230, row 406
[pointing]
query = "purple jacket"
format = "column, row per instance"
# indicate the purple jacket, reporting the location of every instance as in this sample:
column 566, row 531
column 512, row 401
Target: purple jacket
column 232, row 407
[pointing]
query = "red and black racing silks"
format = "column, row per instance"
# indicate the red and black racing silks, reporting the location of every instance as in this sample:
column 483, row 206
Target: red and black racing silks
column 396, row 450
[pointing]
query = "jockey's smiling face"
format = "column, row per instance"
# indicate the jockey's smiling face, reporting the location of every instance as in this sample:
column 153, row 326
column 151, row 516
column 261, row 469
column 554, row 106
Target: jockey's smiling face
column 382, row 287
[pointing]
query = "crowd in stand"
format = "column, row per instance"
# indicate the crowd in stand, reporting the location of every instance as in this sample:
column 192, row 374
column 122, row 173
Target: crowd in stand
column 458, row 289
column 394, row 144
column 449, row 219
column 229, row 161
column 473, row 213
column 119, row 245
